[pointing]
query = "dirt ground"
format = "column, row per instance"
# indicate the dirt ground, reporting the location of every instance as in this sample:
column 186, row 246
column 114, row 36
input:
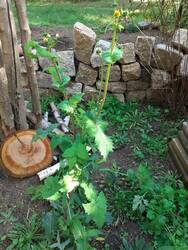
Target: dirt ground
column 13, row 197
column 13, row 191
column 66, row 36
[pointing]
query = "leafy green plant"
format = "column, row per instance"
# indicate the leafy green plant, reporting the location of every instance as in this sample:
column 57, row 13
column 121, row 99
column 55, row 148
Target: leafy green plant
column 83, row 209
column 154, row 145
column 45, row 101
column 7, row 217
column 24, row 236
column 137, row 244
column 160, row 206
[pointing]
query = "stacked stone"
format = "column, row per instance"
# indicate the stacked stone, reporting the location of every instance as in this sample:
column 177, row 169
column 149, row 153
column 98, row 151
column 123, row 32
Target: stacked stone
column 142, row 74
column 124, row 74
column 166, row 62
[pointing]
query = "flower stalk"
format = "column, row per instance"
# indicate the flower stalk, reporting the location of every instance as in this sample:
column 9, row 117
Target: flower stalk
column 115, row 26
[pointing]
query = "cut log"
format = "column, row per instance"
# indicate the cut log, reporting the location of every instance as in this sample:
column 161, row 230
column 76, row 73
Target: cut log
column 185, row 129
column 21, row 158
column 184, row 141
column 177, row 164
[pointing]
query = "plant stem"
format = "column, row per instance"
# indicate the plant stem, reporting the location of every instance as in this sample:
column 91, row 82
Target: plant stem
column 108, row 71
column 105, row 88
column 101, row 83
column 59, row 76
column 68, row 210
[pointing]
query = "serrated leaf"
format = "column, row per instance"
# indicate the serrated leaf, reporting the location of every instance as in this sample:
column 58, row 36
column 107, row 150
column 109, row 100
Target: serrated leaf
column 96, row 210
column 66, row 107
column 70, row 105
column 89, row 191
column 77, row 153
column 103, row 142
column 42, row 134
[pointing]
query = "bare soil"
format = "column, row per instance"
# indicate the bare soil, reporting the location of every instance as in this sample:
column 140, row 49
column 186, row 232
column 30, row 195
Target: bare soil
column 65, row 40
column 13, row 196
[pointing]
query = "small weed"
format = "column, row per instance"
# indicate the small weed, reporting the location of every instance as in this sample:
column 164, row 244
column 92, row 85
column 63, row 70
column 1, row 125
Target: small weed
column 160, row 207
column 137, row 244
column 24, row 236
column 7, row 217
column 45, row 102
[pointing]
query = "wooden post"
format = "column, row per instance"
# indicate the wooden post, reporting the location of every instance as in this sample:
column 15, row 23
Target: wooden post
column 1, row 55
column 12, row 64
column 6, row 114
column 25, row 37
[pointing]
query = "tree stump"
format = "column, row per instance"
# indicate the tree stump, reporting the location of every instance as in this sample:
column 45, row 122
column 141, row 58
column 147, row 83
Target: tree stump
column 21, row 158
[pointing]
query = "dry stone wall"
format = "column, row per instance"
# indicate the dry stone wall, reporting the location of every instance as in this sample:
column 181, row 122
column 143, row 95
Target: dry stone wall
column 144, row 73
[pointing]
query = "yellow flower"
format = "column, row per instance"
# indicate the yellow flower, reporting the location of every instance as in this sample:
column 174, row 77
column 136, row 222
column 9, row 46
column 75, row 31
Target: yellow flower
column 117, row 13
column 48, row 35
column 45, row 39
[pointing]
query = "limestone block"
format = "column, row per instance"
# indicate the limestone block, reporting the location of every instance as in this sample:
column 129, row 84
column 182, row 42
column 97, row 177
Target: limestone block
column 114, row 87
column 160, row 79
column 137, row 85
column 180, row 39
column 86, row 74
column 115, row 73
column 66, row 59
column 84, row 41
column 100, row 46
column 138, row 95
column 131, row 71
column 128, row 53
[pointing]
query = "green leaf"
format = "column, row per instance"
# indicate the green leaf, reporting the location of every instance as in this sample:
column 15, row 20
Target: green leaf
column 70, row 105
column 49, row 224
column 50, row 189
column 70, row 183
column 39, row 51
column 117, row 54
column 145, row 179
column 96, row 210
column 109, row 57
column 66, row 107
column 59, row 79
column 59, row 245
column 81, row 152
column 103, row 142
column 75, row 99
column 77, row 153
column 82, row 235
column 56, row 140
column 44, row 53
column 42, row 134
column 89, row 191
column 77, row 229
column 92, row 233
column 66, row 142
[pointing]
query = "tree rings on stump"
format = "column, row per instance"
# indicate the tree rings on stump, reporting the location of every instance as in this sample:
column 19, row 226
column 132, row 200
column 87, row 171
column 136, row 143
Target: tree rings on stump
column 21, row 158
